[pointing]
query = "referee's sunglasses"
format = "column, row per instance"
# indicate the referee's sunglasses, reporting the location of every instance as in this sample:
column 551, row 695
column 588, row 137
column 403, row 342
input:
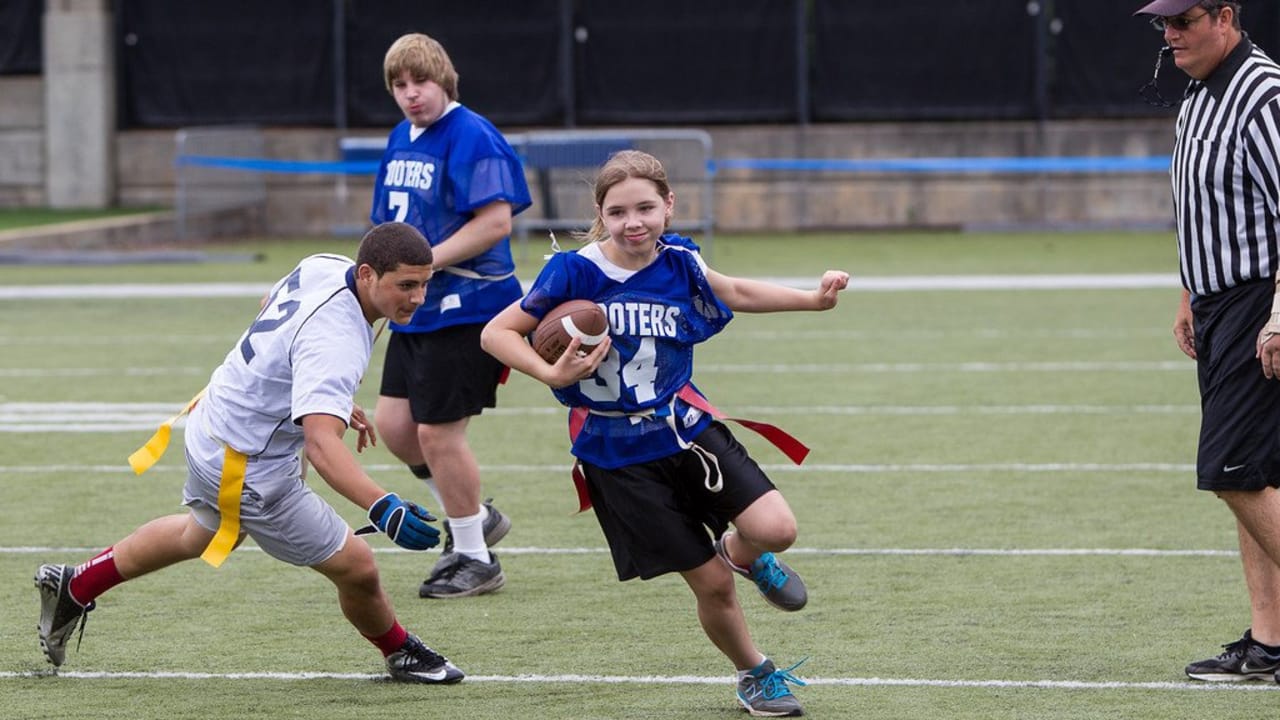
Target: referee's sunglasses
column 1182, row 23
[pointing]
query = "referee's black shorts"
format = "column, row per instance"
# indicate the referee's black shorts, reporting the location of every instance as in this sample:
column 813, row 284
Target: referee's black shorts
column 444, row 374
column 656, row 515
column 1240, row 407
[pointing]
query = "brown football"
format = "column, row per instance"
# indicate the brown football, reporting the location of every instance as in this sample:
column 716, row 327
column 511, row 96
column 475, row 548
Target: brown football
column 570, row 319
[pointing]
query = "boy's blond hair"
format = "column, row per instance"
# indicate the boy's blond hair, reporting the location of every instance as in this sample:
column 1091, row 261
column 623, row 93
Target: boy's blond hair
column 425, row 59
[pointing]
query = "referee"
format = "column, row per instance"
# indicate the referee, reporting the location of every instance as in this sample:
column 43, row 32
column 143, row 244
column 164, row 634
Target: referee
column 1226, row 194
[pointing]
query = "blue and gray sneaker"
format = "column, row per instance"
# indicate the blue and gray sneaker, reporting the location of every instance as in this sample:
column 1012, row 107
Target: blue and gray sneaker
column 763, row 691
column 777, row 582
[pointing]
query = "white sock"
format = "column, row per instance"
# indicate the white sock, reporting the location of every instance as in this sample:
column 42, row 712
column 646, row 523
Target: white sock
column 435, row 493
column 468, row 536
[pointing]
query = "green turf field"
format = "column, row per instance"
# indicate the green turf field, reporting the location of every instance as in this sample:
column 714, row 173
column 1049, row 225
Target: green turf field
column 998, row 518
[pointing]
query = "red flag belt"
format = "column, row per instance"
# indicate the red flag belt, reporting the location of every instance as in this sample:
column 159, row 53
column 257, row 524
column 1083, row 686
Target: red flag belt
column 795, row 450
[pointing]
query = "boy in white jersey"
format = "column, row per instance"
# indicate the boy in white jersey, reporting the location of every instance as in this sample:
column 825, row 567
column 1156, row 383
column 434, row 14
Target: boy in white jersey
column 289, row 383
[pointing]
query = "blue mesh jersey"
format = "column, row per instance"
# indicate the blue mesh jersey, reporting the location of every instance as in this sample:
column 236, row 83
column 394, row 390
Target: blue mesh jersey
column 656, row 316
column 436, row 183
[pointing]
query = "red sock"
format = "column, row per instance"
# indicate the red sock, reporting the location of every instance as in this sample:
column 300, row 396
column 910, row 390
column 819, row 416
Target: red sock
column 95, row 577
column 391, row 640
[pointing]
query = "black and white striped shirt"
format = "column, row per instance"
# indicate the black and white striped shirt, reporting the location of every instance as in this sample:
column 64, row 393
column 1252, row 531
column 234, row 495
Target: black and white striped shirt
column 1226, row 174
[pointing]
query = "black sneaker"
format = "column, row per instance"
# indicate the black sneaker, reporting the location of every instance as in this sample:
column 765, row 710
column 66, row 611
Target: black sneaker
column 59, row 612
column 416, row 663
column 763, row 692
column 1243, row 659
column 459, row 575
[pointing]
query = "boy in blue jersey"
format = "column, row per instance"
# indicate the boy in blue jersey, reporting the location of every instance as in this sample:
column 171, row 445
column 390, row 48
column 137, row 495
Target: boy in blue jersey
column 659, row 469
column 451, row 174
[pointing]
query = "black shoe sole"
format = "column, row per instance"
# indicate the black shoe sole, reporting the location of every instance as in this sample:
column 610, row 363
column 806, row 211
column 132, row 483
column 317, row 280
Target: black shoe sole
column 493, row 584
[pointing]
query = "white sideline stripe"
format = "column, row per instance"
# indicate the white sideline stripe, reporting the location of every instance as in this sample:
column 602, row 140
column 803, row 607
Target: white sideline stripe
column 1000, row 282
column 80, row 408
column 758, row 368
column 927, row 552
column 180, row 339
column 1091, row 333
column 826, row 334
column 133, row 290
column 1183, row 365
column 99, row 372
column 666, row 680
column 866, row 284
column 774, row 468
column 970, row 409
column 86, row 417
column 128, row 410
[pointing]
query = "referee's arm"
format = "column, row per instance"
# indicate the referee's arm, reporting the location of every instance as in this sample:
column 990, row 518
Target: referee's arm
column 1184, row 332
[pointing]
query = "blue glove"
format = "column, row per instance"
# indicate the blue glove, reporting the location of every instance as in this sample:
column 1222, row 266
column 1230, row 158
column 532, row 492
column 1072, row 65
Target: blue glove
column 404, row 522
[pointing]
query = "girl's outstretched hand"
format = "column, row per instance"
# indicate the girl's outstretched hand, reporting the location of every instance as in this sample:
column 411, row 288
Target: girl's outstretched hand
column 833, row 281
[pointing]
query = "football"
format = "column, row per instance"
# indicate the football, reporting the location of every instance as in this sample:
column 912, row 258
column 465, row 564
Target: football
column 575, row 318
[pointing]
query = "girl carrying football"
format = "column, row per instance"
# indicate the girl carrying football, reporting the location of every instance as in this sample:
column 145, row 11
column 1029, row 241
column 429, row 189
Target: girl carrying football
column 666, row 479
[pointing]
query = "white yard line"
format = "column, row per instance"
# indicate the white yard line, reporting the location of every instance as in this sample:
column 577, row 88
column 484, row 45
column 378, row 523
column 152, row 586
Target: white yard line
column 1139, row 366
column 132, row 290
column 100, row 417
column 867, row 468
column 1055, row 334
column 574, row 679
column 905, row 552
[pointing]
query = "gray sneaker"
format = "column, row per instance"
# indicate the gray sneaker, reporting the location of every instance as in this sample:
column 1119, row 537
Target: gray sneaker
column 780, row 586
column 459, row 575
column 764, row 692
column 496, row 527
column 59, row 612
column 1243, row 659
column 416, row 663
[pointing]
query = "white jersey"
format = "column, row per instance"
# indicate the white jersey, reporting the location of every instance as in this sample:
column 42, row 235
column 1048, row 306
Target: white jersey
column 304, row 354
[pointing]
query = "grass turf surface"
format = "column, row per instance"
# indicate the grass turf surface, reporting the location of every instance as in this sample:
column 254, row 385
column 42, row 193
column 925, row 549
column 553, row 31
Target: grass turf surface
column 998, row 519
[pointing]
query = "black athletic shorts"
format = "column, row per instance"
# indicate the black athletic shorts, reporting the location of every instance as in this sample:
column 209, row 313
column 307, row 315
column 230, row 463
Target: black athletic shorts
column 1240, row 407
column 656, row 515
column 445, row 374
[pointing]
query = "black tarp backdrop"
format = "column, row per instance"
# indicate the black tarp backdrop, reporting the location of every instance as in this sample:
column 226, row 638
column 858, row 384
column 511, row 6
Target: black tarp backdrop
column 922, row 60
column 678, row 62
column 506, row 54
column 227, row 61
column 20, row 38
column 606, row 62
column 1102, row 59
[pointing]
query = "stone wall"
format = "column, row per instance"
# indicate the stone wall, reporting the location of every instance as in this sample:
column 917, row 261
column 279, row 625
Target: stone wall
column 21, row 141
column 745, row 201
